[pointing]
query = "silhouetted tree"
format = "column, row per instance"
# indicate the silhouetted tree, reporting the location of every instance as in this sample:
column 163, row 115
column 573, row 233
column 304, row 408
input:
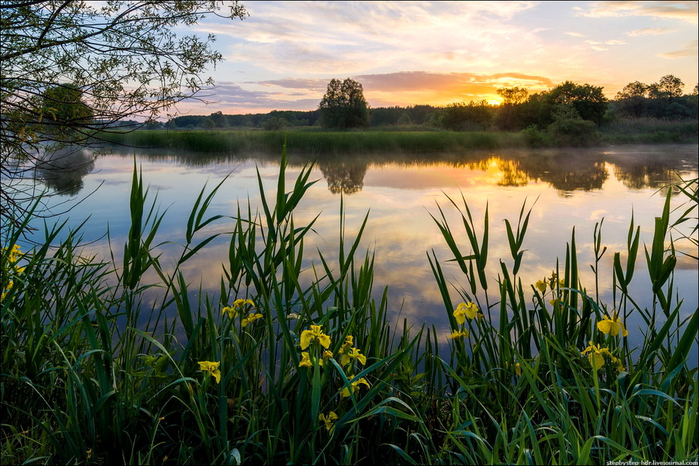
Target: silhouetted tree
column 668, row 87
column 219, row 119
column 460, row 116
column 343, row 105
column 632, row 100
column 588, row 100
column 512, row 98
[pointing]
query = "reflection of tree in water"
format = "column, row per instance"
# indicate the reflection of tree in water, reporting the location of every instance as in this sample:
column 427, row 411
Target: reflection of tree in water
column 63, row 170
column 566, row 171
column 511, row 174
column 585, row 179
column 343, row 177
column 646, row 175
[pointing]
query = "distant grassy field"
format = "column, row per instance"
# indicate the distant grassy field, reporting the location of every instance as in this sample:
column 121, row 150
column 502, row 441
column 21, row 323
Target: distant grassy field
column 318, row 142
column 410, row 140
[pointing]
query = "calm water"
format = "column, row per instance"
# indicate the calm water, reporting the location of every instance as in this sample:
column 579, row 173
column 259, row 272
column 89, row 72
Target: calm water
column 571, row 188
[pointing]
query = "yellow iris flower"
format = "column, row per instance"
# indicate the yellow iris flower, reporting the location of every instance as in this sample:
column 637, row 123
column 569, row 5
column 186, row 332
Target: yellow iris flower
column 305, row 360
column 541, row 286
column 354, row 353
column 459, row 334
column 596, row 357
column 328, row 420
column 251, row 318
column 314, row 334
column 238, row 305
column 612, row 326
column 212, row 368
column 355, row 387
column 464, row 310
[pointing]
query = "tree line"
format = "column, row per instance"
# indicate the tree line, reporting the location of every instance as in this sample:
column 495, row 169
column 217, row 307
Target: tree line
column 569, row 107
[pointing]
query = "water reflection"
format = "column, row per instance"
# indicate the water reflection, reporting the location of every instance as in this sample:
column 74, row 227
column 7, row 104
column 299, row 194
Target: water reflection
column 566, row 170
column 345, row 177
column 63, row 170
column 572, row 188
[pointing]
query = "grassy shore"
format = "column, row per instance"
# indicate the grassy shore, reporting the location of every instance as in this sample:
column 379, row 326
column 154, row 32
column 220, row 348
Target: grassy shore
column 272, row 371
column 312, row 141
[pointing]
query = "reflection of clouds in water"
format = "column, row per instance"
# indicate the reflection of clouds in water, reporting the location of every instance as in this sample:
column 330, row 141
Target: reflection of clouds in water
column 400, row 197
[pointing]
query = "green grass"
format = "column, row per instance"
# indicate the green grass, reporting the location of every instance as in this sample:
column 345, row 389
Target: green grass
column 318, row 142
column 650, row 131
column 312, row 141
column 94, row 373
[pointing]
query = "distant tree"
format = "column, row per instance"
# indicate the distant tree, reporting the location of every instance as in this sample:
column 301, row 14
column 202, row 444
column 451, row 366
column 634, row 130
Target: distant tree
column 569, row 128
column 219, row 119
column 512, row 98
column 533, row 112
column 632, row 100
column 668, row 87
column 588, row 100
column 513, row 95
column 467, row 117
column 404, row 119
column 274, row 124
column 343, row 105
column 633, row 90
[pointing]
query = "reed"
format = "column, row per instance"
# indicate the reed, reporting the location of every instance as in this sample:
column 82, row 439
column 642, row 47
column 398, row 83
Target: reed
column 290, row 363
column 317, row 142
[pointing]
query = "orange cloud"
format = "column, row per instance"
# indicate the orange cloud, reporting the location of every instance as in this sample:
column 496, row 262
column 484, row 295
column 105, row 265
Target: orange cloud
column 422, row 87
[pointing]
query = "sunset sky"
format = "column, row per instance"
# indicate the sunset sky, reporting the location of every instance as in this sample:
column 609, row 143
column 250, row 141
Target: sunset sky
column 404, row 53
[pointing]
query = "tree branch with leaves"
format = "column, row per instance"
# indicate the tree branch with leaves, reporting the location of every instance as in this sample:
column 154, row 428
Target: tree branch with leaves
column 72, row 69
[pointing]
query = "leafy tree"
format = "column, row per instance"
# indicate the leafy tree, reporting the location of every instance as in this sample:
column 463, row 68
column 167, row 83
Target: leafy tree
column 274, row 124
column 588, row 100
column 63, row 106
column 219, row 119
column 122, row 57
column 405, row 119
column 513, row 95
column 512, row 98
column 569, row 128
column 632, row 100
column 633, row 90
column 343, row 105
column 668, row 87
column 473, row 116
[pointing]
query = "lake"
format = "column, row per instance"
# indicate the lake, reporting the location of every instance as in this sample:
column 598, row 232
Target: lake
column 565, row 188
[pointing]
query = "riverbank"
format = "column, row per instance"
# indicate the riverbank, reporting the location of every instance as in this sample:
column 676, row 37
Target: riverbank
column 417, row 140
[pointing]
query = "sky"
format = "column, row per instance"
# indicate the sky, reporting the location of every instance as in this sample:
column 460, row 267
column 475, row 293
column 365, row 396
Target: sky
column 282, row 56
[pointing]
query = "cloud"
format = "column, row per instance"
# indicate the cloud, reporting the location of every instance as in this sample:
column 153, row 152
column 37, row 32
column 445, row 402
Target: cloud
column 361, row 37
column 424, row 80
column 607, row 42
column 690, row 50
column 311, row 84
column 650, row 31
column 682, row 11
column 574, row 34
